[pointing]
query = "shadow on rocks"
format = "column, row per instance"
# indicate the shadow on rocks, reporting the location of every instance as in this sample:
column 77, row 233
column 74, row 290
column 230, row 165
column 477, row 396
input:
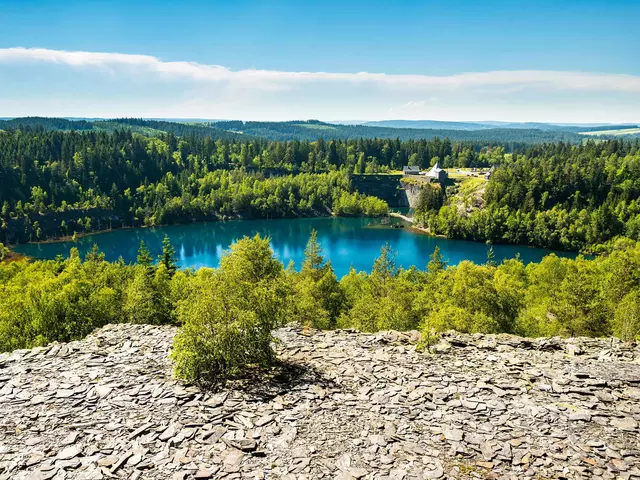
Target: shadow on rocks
column 283, row 377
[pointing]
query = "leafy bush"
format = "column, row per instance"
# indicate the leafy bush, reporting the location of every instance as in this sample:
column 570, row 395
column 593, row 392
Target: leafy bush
column 228, row 318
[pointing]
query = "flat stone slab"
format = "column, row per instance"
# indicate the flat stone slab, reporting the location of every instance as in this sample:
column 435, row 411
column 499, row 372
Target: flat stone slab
column 342, row 405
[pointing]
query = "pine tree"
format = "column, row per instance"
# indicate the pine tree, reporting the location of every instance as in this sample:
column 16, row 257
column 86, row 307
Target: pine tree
column 168, row 256
column 94, row 255
column 491, row 257
column 312, row 254
column 436, row 261
column 384, row 266
column 144, row 257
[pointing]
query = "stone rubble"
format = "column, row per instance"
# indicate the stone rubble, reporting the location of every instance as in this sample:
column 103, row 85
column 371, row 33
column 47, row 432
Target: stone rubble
column 343, row 405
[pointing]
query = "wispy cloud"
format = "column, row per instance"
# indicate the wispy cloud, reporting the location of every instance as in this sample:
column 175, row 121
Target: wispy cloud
column 271, row 78
column 145, row 85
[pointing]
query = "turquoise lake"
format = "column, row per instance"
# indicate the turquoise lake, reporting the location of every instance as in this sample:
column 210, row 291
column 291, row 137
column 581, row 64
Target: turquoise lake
column 346, row 242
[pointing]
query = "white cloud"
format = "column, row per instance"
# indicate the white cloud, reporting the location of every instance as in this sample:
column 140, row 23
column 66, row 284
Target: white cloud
column 272, row 78
column 144, row 85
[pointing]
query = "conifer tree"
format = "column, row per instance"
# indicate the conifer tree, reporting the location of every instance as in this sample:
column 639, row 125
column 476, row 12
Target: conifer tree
column 168, row 256
column 144, row 257
column 491, row 257
column 313, row 259
column 436, row 261
column 94, row 255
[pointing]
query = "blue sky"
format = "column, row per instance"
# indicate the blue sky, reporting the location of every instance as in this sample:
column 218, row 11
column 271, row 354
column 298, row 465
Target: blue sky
column 459, row 60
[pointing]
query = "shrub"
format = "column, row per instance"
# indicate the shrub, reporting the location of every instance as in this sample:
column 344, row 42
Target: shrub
column 626, row 322
column 230, row 313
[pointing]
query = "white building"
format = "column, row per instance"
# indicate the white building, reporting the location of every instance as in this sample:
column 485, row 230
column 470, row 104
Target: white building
column 437, row 173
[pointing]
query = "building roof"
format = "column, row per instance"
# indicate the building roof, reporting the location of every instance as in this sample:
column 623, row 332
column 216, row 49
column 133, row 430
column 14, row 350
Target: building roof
column 435, row 170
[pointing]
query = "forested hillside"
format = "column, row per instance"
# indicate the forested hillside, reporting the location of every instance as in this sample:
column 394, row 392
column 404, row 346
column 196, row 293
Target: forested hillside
column 59, row 182
column 492, row 125
column 310, row 130
column 555, row 196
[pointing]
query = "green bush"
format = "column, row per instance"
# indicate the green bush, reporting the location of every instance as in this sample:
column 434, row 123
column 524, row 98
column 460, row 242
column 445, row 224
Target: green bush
column 230, row 313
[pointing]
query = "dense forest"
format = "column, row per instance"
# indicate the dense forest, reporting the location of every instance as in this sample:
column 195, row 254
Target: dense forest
column 227, row 313
column 446, row 125
column 57, row 183
column 311, row 130
column 510, row 137
column 560, row 196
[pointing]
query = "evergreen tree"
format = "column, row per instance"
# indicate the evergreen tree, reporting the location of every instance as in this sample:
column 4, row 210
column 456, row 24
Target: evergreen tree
column 385, row 266
column 313, row 259
column 144, row 257
column 95, row 255
column 168, row 256
column 436, row 261
column 491, row 257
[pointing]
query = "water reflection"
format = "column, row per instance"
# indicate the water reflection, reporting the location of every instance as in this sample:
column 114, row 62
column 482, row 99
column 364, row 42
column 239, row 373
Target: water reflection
column 346, row 242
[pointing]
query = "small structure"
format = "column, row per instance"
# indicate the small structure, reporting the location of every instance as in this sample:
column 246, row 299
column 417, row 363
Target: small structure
column 437, row 173
column 411, row 170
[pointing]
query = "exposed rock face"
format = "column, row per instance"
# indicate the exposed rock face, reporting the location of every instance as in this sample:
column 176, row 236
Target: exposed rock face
column 412, row 191
column 348, row 406
column 387, row 187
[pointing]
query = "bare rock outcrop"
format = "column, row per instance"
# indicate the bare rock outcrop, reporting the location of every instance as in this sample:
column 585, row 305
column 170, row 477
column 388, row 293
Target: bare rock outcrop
column 342, row 405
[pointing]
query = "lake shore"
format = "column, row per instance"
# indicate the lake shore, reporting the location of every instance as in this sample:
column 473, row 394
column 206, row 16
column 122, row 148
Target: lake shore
column 347, row 242
column 225, row 218
column 413, row 225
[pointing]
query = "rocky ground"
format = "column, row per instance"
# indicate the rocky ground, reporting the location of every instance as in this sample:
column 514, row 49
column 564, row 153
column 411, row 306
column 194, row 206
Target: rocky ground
column 343, row 405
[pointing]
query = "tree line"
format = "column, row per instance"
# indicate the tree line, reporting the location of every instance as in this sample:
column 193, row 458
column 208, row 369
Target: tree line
column 227, row 314
column 57, row 183
column 511, row 136
column 559, row 196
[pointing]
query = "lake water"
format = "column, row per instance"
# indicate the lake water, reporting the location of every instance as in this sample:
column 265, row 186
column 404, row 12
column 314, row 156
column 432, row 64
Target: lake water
column 346, row 242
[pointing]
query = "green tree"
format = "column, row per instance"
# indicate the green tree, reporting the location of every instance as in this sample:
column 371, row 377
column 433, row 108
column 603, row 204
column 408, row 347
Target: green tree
column 168, row 256
column 228, row 319
column 491, row 257
column 95, row 255
column 384, row 266
column 436, row 261
column 313, row 259
column 144, row 257
column 626, row 322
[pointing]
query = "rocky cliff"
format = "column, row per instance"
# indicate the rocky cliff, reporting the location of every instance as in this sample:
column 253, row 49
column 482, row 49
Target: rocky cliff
column 341, row 405
column 387, row 187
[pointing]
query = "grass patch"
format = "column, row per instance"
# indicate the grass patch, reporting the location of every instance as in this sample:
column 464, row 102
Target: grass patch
column 311, row 126
column 624, row 131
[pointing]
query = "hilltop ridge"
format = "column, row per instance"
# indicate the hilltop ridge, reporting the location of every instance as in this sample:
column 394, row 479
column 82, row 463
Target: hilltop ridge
column 311, row 130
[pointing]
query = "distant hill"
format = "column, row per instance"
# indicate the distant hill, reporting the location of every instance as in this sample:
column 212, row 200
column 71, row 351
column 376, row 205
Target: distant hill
column 438, row 124
column 311, row 130
column 429, row 124
column 47, row 123
column 138, row 125
column 614, row 132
